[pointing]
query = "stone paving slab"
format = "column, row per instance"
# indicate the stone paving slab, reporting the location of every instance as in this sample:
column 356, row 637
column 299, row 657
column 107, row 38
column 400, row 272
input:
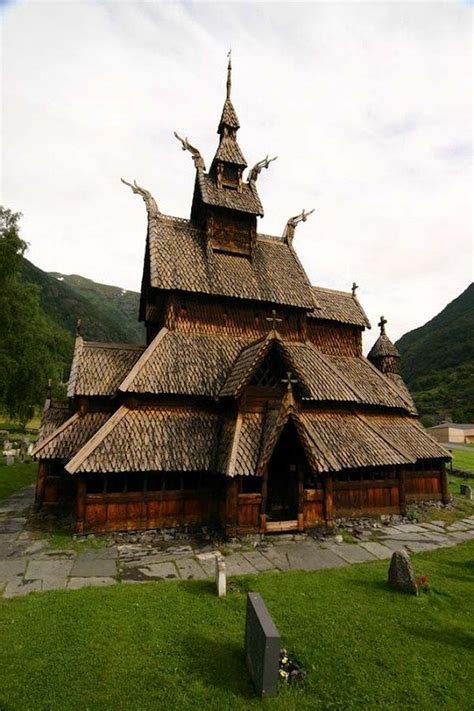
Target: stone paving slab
column 418, row 547
column 432, row 527
column 313, row 558
column 17, row 587
column 85, row 567
column 99, row 582
column 55, row 554
column 409, row 528
column 236, row 564
column 462, row 535
column 109, row 553
column 189, row 569
column 277, row 558
column 458, row 526
column 258, row 561
column 377, row 549
column 38, row 569
column 352, row 553
column 10, row 568
column 395, row 545
column 160, row 571
column 54, row 583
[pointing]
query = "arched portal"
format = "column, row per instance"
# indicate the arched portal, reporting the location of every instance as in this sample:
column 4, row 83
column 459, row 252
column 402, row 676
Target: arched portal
column 286, row 472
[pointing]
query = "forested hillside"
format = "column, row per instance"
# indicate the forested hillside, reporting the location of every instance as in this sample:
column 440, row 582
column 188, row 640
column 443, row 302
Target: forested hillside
column 107, row 313
column 38, row 316
column 438, row 361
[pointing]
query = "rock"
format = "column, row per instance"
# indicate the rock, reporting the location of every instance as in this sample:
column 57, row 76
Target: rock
column 400, row 573
column 338, row 538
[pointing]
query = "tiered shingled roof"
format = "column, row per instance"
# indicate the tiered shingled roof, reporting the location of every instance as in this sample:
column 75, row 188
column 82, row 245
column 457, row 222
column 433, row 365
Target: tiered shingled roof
column 65, row 441
column 333, row 305
column 179, row 260
column 151, row 439
column 54, row 415
column 157, row 439
column 99, row 368
column 186, row 363
column 246, row 200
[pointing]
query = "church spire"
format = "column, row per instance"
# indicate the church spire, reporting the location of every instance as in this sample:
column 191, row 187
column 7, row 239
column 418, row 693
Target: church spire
column 229, row 74
column 383, row 354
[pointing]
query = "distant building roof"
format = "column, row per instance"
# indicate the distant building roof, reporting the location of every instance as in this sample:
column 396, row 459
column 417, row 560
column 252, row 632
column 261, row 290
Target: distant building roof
column 453, row 425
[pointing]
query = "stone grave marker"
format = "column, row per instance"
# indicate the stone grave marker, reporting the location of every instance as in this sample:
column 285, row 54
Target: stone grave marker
column 221, row 585
column 10, row 460
column 401, row 575
column 467, row 490
column 262, row 646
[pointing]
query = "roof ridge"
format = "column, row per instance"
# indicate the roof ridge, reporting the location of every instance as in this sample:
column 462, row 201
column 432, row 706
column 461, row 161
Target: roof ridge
column 114, row 345
column 96, row 439
column 145, row 356
column 54, row 434
column 332, row 291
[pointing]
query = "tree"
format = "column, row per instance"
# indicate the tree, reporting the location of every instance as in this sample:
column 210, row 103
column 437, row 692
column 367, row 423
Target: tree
column 32, row 347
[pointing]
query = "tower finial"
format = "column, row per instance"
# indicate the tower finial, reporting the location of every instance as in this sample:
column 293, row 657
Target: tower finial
column 354, row 288
column 229, row 73
column 78, row 328
column 382, row 323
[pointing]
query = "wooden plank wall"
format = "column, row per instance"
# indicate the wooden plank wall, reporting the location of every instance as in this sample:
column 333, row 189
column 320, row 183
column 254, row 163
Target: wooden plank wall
column 151, row 509
column 423, row 485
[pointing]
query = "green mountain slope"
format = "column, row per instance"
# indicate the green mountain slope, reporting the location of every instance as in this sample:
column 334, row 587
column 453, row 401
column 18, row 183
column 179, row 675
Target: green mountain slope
column 106, row 312
column 438, row 361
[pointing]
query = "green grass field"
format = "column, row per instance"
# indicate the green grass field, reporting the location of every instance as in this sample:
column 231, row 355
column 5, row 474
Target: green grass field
column 176, row 646
column 463, row 460
column 16, row 477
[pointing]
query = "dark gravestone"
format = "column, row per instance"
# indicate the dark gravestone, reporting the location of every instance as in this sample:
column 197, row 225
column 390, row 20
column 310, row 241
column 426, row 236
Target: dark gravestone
column 262, row 646
column 400, row 574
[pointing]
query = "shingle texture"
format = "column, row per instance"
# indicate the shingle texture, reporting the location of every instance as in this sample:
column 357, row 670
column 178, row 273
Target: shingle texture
column 407, row 436
column 99, row 368
column 245, row 201
column 179, row 362
column 53, row 417
column 151, row 439
column 73, row 434
column 383, row 346
column 229, row 115
column 229, row 151
column 180, row 261
column 338, row 306
column 244, row 366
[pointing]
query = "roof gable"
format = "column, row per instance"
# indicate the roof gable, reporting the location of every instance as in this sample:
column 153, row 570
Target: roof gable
column 340, row 306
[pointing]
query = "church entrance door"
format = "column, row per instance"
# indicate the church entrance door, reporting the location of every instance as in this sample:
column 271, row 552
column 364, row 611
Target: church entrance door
column 284, row 473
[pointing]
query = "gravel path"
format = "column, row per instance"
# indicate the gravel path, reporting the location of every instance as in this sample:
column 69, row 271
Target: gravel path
column 29, row 564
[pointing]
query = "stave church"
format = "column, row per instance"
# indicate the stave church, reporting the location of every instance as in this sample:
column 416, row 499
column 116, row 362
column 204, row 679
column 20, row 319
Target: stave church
column 251, row 408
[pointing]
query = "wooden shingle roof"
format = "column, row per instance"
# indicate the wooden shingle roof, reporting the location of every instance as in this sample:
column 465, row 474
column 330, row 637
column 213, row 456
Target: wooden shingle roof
column 99, row 368
column 66, row 439
column 179, row 362
column 383, row 346
column 341, row 306
column 179, row 260
column 245, row 201
column 151, row 439
column 54, row 415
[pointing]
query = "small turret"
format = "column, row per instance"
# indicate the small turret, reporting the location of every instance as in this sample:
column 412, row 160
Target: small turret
column 383, row 354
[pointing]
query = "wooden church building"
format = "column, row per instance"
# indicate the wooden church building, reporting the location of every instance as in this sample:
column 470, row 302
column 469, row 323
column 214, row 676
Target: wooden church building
column 251, row 407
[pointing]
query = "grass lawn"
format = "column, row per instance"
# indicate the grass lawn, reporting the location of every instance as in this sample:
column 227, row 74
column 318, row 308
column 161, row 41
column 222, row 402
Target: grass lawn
column 16, row 477
column 463, row 460
column 175, row 645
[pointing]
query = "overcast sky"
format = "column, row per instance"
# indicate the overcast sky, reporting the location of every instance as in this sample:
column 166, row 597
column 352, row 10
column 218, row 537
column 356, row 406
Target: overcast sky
column 367, row 105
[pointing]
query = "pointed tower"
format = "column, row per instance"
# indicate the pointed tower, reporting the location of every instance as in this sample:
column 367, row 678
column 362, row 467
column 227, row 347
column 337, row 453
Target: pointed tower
column 383, row 354
column 224, row 205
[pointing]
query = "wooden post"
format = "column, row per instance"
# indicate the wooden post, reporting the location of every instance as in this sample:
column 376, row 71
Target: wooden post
column 80, row 504
column 40, row 484
column 328, row 501
column 402, row 491
column 263, row 506
column 300, row 499
column 232, row 507
column 444, row 484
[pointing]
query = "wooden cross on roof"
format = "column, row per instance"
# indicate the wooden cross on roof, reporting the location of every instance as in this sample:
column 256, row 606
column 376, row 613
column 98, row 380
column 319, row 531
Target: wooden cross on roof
column 289, row 381
column 78, row 327
column 273, row 318
column 382, row 323
column 354, row 288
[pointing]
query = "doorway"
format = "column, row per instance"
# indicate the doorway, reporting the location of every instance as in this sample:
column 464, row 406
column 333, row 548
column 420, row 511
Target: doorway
column 285, row 471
